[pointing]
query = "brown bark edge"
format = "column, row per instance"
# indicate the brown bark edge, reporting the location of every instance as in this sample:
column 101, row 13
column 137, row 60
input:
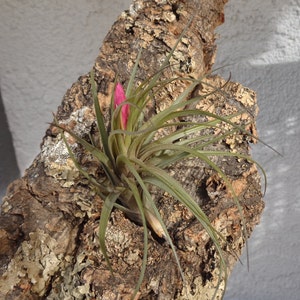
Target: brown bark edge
column 49, row 218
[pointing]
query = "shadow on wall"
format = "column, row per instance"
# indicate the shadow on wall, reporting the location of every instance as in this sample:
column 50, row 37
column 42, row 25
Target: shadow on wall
column 274, row 260
column 8, row 166
column 256, row 32
column 260, row 42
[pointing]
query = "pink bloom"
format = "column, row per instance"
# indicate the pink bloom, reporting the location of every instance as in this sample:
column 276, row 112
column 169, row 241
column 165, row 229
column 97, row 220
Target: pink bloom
column 119, row 98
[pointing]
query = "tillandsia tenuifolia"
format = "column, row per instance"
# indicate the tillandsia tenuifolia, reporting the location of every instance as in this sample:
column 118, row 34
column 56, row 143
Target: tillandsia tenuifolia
column 135, row 158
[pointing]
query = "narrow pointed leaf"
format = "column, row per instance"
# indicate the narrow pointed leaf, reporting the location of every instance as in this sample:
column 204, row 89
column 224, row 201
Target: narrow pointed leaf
column 104, row 218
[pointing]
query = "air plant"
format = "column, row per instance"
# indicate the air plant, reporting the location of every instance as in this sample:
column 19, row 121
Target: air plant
column 135, row 158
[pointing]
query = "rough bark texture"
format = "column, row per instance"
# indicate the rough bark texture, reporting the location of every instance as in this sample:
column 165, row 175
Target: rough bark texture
column 49, row 219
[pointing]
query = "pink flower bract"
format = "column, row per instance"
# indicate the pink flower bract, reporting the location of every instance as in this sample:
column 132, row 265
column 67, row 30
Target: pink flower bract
column 119, row 98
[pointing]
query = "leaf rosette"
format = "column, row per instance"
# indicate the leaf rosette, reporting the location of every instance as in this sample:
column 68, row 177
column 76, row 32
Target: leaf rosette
column 136, row 153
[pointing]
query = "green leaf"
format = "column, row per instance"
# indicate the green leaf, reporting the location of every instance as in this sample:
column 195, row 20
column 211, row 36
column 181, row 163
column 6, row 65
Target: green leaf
column 149, row 200
column 100, row 156
column 100, row 188
column 130, row 86
column 139, row 202
column 104, row 218
column 99, row 118
column 165, row 182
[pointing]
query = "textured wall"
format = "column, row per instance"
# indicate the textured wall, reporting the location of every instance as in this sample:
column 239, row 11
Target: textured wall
column 262, row 41
column 46, row 45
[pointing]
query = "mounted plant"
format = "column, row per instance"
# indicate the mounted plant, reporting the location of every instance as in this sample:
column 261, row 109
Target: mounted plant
column 135, row 153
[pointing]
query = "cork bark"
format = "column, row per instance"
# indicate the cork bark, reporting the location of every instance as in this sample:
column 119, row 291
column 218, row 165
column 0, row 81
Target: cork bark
column 49, row 220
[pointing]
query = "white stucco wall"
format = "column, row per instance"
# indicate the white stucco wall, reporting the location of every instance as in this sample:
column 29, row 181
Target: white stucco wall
column 46, row 45
column 262, row 40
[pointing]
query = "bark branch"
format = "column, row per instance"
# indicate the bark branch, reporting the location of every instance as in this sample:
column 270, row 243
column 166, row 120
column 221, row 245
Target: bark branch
column 49, row 219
